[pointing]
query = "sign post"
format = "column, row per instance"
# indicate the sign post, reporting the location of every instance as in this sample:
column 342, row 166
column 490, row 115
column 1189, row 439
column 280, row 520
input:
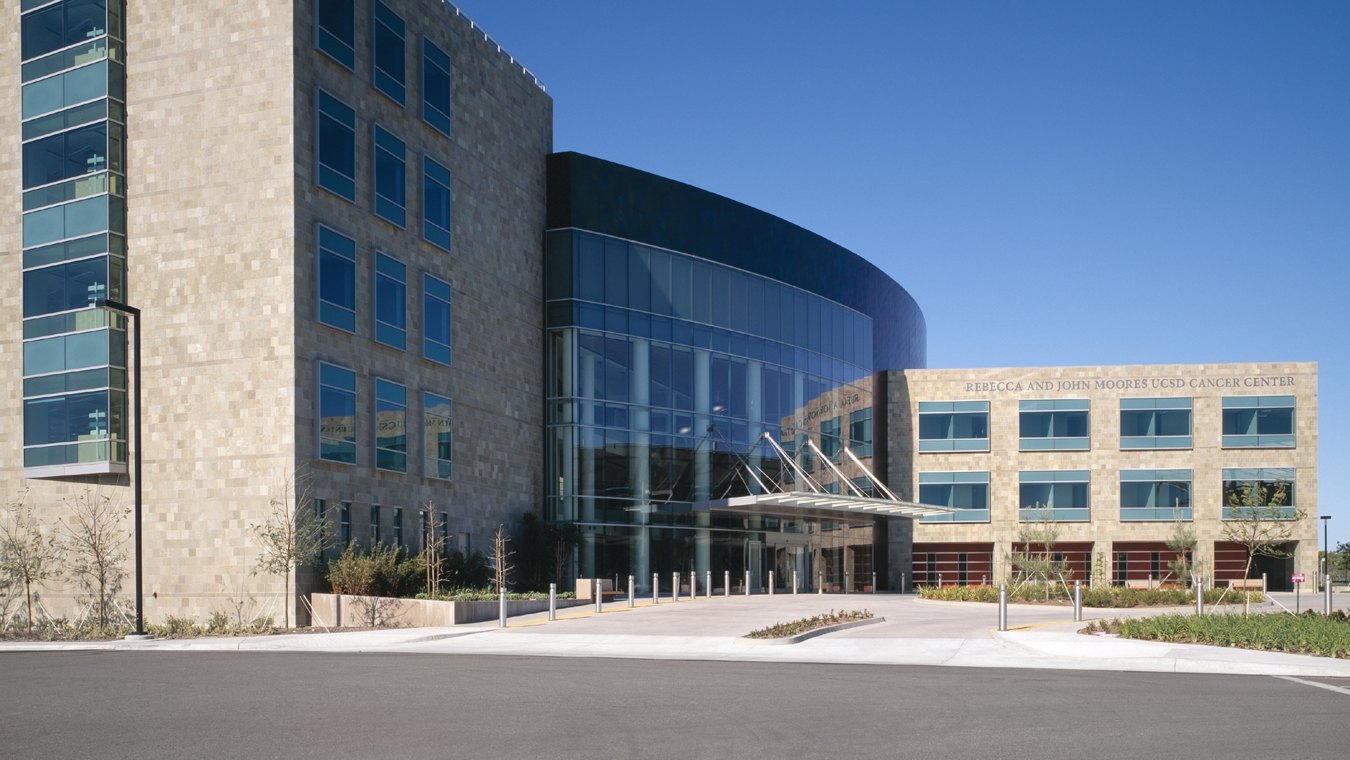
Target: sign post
column 1298, row 579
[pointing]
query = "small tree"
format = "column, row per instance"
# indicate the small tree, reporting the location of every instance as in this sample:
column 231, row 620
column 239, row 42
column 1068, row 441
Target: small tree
column 292, row 534
column 94, row 535
column 1182, row 541
column 1258, row 520
column 1340, row 561
column 501, row 559
column 29, row 556
column 433, row 550
column 1036, row 562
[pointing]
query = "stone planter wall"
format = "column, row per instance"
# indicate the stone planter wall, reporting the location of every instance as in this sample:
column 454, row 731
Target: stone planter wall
column 348, row 611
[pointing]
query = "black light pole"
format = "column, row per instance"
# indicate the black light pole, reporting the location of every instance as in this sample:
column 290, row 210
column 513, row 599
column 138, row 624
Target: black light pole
column 135, row 315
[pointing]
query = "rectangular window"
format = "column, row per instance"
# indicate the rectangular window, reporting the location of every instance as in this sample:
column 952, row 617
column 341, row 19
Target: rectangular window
column 436, row 435
column 435, row 87
column 336, row 25
column 435, row 319
column 345, row 523
column 391, row 426
column 320, row 509
column 860, row 432
column 337, row 280
column 398, row 527
column 1155, row 495
column 387, row 57
column 335, row 147
column 337, row 414
column 374, row 525
column 391, row 178
column 1265, row 493
column 1258, row 422
column 965, row 492
column 435, row 203
column 391, row 301
column 1054, row 424
column 1155, row 423
column 829, row 438
column 953, row 426
column 1060, row 495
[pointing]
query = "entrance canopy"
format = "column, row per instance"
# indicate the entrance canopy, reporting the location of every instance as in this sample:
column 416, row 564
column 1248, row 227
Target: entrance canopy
column 797, row 501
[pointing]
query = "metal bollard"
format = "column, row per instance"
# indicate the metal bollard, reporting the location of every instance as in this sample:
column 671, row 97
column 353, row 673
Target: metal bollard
column 501, row 610
column 656, row 588
column 675, row 586
column 693, row 585
column 1003, row 606
column 726, row 583
column 1199, row 596
column 747, row 583
column 846, row 582
column 1326, row 595
column 794, row 582
column 632, row 593
column 902, row 583
column 874, row 581
column 770, row 583
column 552, row 601
column 939, row 580
column 707, row 583
column 820, row 581
column 599, row 595
column 984, row 580
column 1078, row 601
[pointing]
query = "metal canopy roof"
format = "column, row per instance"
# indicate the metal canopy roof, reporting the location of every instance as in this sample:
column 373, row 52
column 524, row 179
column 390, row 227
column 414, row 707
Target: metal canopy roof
column 804, row 500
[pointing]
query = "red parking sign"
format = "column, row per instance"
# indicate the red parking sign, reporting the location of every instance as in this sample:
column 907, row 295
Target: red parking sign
column 1298, row 578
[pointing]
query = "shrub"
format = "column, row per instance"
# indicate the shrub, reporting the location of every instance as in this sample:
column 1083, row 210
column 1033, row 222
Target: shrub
column 1110, row 596
column 1308, row 633
column 792, row 628
column 489, row 595
column 383, row 571
column 175, row 628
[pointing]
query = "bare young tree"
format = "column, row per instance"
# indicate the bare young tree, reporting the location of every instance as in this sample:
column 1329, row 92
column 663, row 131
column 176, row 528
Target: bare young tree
column 94, row 535
column 29, row 556
column 1259, row 520
column 292, row 534
column 1036, row 562
column 433, row 549
column 501, row 558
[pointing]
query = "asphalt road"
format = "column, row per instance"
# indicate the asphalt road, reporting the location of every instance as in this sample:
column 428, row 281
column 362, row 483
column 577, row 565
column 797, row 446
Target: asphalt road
column 216, row 705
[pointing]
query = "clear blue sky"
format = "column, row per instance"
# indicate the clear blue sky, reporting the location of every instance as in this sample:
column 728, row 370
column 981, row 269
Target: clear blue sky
column 1056, row 183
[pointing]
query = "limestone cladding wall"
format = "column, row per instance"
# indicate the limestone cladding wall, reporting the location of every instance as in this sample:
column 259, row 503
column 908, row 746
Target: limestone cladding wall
column 210, row 239
column 11, row 257
column 1205, row 384
column 501, row 133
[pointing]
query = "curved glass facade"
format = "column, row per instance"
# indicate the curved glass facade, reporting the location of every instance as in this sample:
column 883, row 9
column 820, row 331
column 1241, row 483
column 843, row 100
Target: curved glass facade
column 665, row 371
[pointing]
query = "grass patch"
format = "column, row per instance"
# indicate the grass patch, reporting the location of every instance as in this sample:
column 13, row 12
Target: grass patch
column 1308, row 633
column 1113, row 596
column 794, row 627
column 488, row 595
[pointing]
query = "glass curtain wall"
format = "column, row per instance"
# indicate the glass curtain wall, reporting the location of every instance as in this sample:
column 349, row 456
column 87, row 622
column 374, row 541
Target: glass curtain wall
column 74, row 246
column 664, row 373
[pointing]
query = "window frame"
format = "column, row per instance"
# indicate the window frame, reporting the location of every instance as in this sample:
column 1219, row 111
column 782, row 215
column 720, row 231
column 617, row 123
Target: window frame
column 427, row 61
column 1261, row 476
column 1054, row 478
column 1259, row 439
column 330, row 317
column 383, row 143
column 1054, row 442
column 431, row 458
column 959, row 478
column 952, row 444
column 389, row 272
column 433, row 232
column 1157, row 478
column 346, row 56
column 398, row 27
column 354, row 391
column 336, row 182
column 429, row 343
column 1154, row 406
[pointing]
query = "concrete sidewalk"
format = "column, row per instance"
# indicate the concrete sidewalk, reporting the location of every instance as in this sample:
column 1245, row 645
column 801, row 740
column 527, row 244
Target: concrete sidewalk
column 912, row 632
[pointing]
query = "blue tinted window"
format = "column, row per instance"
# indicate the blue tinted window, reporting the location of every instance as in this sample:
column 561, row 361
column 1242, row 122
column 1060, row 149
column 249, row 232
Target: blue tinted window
column 435, row 87
column 337, row 280
column 67, row 89
column 391, row 301
column 953, row 426
column 66, row 286
column 1155, row 495
column 1053, row 424
column 965, row 492
column 435, row 319
column 435, row 203
column 68, row 154
column 387, row 55
column 1258, row 422
column 391, row 177
column 336, row 146
column 337, row 30
column 337, row 414
column 391, row 426
column 62, row 24
column 1054, row 495
column 1266, row 492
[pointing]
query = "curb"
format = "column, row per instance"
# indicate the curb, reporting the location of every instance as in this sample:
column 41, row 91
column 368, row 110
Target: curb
column 814, row 632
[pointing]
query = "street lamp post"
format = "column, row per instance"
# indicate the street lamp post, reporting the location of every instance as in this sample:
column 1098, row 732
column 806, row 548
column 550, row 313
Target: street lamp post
column 135, row 314
column 1326, row 551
